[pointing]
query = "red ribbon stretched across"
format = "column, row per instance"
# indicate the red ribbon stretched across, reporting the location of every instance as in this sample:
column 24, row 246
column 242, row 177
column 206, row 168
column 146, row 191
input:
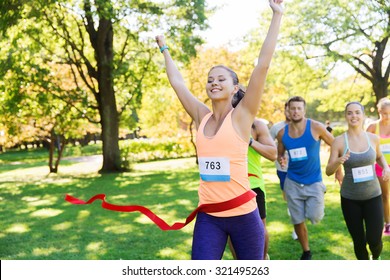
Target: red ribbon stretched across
column 208, row 208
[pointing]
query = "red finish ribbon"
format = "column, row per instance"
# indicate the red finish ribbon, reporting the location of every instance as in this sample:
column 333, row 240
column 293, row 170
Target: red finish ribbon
column 208, row 208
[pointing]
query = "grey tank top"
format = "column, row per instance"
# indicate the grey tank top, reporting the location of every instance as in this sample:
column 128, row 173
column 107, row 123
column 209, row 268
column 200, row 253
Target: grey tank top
column 360, row 181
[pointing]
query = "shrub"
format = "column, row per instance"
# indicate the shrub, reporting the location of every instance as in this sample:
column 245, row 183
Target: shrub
column 140, row 150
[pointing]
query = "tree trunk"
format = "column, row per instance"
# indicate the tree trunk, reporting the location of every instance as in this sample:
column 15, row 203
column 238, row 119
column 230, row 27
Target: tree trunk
column 59, row 141
column 380, row 87
column 51, row 150
column 61, row 148
column 107, row 101
column 110, row 134
column 380, row 81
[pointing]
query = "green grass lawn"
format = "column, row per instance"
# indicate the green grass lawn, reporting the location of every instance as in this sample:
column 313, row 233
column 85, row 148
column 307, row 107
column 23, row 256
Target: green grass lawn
column 38, row 224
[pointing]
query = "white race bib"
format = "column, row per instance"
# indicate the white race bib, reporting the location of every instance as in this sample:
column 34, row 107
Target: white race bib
column 214, row 169
column 385, row 148
column 363, row 174
column 298, row 154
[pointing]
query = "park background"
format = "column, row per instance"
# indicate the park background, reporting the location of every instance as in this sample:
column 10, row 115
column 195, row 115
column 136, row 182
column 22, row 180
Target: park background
column 86, row 108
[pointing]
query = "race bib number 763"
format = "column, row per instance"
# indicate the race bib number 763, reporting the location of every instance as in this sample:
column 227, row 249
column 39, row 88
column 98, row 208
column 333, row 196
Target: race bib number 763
column 214, row 169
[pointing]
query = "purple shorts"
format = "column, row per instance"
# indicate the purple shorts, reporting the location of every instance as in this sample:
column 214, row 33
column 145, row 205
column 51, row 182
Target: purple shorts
column 211, row 233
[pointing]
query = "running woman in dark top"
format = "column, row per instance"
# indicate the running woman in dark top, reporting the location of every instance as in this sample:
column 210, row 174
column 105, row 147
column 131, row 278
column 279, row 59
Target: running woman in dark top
column 361, row 200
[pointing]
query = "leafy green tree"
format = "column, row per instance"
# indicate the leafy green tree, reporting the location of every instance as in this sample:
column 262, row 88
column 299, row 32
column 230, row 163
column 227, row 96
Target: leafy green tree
column 10, row 13
column 34, row 109
column 340, row 32
column 109, row 49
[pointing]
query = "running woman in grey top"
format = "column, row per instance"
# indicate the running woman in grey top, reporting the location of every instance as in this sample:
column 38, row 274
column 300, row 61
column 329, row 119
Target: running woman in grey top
column 361, row 200
column 360, row 181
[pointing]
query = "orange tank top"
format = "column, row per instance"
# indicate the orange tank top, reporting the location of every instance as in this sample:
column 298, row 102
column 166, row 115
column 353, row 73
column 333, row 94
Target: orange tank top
column 223, row 167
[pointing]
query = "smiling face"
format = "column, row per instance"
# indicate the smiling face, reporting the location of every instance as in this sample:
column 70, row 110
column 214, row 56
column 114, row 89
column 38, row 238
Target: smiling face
column 354, row 115
column 220, row 84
